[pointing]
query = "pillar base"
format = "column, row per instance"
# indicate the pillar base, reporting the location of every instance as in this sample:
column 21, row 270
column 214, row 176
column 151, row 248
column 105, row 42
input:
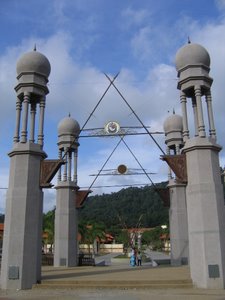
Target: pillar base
column 65, row 248
column 21, row 256
column 206, row 214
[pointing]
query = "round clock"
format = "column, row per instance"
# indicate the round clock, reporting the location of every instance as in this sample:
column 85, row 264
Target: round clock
column 112, row 127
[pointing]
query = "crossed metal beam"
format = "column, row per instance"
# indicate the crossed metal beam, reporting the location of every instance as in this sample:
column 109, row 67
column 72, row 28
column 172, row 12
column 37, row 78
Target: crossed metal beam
column 122, row 140
column 121, row 136
column 112, row 83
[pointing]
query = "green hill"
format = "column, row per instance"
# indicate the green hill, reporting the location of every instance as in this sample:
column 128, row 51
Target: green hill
column 130, row 207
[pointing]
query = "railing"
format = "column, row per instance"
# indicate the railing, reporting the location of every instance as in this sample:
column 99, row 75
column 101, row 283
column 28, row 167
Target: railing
column 86, row 260
column 83, row 260
column 47, row 259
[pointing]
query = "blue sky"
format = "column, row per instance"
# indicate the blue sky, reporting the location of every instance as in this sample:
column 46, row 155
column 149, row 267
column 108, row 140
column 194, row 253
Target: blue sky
column 83, row 39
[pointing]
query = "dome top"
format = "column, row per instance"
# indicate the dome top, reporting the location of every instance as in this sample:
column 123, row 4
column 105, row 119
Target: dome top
column 173, row 123
column 33, row 62
column 68, row 126
column 192, row 54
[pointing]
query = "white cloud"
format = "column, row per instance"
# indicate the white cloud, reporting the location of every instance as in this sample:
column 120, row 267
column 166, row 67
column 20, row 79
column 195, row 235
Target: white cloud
column 76, row 86
column 220, row 4
column 133, row 17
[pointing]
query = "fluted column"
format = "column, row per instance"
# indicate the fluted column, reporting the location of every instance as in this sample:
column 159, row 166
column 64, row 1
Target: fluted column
column 18, row 117
column 183, row 101
column 26, row 100
column 177, row 147
column 75, row 167
column 69, row 166
column 60, row 169
column 32, row 121
column 212, row 130
column 194, row 106
column 169, row 169
column 201, row 126
column 65, row 166
column 41, row 122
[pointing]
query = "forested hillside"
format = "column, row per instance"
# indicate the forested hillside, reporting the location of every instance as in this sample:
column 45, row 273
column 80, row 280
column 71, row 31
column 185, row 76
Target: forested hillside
column 130, row 207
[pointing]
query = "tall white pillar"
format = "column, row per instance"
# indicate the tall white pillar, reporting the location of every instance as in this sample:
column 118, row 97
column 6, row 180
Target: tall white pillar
column 21, row 246
column 204, row 193
column 173, row 127
column 205, row 206
column 178, row 223
column 21, row 256
column 66, row 224
column 65, row 245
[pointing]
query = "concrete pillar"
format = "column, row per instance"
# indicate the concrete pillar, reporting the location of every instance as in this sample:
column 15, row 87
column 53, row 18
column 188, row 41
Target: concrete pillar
column 178, row 223
column 205, row 199
column 66, row 223
column 65, row 245
column 21, row 256
column 23, row 228
column 206, row 215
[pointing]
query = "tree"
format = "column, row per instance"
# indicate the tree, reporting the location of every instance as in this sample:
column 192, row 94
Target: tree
column 90, row 232
column 124, row 238
column 130, row 204
column 48, row 227
column 152, row 238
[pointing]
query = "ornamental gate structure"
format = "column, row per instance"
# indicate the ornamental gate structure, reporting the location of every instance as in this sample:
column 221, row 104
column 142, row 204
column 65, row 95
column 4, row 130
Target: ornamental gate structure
column 204, row 192
column 195, row 163
column 198, row 167
column 21, row 257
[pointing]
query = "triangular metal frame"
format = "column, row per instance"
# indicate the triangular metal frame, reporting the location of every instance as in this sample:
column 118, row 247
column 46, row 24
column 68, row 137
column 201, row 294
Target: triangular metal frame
column 111, row 83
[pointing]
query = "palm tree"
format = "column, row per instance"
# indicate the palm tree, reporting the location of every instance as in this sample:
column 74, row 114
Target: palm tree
column 90, row 232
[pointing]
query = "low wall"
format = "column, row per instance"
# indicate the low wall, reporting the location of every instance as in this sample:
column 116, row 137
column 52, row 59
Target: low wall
column 103, row 248
column 111, row 248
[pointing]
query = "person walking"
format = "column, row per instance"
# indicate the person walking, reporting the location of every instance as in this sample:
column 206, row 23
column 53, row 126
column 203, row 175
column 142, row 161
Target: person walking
column 133, row 258
column 139, row 258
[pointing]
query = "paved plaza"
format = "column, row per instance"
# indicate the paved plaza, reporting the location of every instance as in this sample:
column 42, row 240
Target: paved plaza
column 115, row 281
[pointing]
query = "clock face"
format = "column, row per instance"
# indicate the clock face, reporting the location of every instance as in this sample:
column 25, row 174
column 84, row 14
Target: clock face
column 112, row 127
